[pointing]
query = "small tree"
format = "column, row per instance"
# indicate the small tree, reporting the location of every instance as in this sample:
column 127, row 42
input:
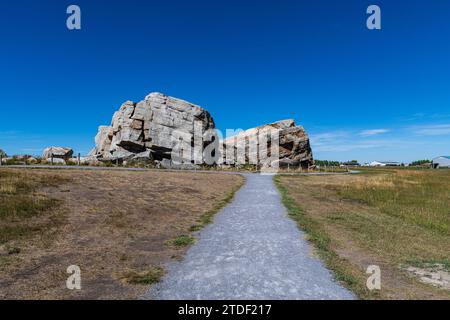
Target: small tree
column 3, row 154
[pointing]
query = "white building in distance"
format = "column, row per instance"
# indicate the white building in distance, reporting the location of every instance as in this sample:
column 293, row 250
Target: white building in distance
column 384, row 164
column 441, row 162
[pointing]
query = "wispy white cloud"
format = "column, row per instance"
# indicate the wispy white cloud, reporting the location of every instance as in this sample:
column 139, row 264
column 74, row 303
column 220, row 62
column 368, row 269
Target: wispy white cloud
column 421, row 116
column 346, row 140
column 344, row 146
column 432, row 130
column 372, row 132
column 343, row 141
column 404, row 143
column 327, row 137
column 9, row 134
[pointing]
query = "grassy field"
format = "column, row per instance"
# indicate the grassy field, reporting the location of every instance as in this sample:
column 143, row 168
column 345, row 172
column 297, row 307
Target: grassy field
column 396, row 219
column 23, row 209
column 120, row 227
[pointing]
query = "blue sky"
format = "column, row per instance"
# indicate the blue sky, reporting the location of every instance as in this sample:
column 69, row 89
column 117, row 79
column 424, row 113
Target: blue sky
column 361, row 94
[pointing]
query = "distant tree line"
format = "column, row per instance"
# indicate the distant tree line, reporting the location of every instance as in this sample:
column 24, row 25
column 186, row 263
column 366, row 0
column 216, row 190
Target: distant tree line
column 420, row 162
column 327, row 163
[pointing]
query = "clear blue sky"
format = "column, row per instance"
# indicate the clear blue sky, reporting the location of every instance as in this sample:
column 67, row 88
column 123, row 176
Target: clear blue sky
column 361, row 94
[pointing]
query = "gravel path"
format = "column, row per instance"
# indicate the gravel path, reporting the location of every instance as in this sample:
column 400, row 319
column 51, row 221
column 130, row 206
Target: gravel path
column 253, row 250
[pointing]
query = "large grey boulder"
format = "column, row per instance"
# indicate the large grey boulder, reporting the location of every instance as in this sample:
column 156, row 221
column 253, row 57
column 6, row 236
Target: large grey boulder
column 160, row 128
column 149, row 129
column 57, row 152
column 294, row 149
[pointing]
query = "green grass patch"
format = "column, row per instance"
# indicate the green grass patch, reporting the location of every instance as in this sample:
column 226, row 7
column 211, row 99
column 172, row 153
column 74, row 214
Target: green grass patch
column 148, row 277
column 181, row 241
column 420, row 263
column 195, row 227
column 20, row 203
column 421, row 197
column 23, row 206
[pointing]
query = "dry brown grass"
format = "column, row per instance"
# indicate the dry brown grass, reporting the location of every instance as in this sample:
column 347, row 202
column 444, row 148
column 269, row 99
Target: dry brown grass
column 112, row 224
column 391, row 219
column 23, row 209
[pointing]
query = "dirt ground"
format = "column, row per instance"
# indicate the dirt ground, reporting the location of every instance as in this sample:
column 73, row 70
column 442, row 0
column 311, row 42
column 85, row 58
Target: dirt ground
column 111, row 224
